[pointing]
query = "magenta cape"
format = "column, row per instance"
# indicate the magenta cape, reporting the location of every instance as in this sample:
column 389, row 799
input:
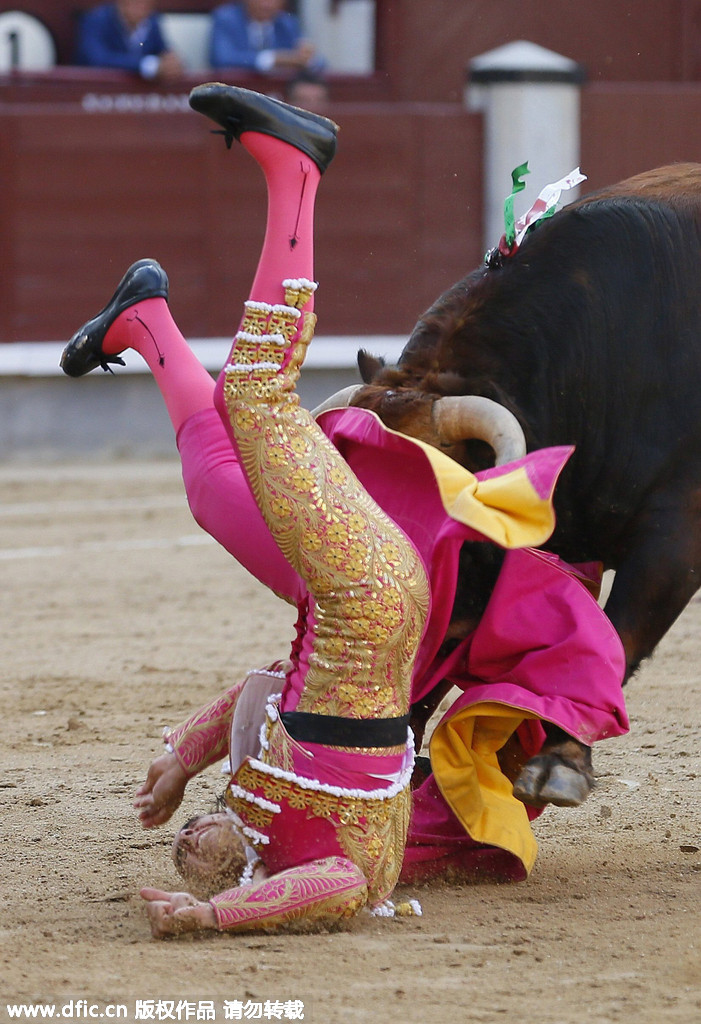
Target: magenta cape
column 544, row 649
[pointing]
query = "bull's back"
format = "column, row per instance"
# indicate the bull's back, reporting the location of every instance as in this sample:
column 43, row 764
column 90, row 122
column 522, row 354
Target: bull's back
column 673, row 183
column 593, row 331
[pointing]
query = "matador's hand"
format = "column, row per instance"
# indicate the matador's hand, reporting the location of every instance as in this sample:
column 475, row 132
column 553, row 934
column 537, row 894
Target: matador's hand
column 175, row 913
column 162, row 792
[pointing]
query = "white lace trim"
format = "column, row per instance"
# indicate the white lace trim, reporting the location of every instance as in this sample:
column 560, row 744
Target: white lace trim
column 257, row 838
column 248, row 367
column 259, row 801
column 384, row 909
column 262, row 307
column 408, row 908
column 278, row 307
column 247, row 873
column 273, row 339
column 263, row 739
column 323, row 787
column 170, row 749
column 301, row 283
column 271, row 713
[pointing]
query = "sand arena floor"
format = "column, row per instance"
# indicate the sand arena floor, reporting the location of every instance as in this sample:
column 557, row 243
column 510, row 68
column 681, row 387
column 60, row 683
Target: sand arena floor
column 120, row 616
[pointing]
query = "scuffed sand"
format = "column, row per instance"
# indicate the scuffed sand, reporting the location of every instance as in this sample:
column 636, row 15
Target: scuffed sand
column 119, row 616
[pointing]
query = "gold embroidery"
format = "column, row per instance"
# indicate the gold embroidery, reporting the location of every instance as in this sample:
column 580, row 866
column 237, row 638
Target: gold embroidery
column 203, row 739
column 284, row 321
column 256, row 316
column 250, row 813
column 279, row 751
column 348, row 809
column 298, row 292
column 378, row 847
column 323, row 890
column 370, row 593
column 370, row 831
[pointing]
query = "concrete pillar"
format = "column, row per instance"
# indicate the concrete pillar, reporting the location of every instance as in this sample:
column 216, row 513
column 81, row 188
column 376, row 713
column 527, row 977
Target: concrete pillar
column 343, row 32
column 529, row 97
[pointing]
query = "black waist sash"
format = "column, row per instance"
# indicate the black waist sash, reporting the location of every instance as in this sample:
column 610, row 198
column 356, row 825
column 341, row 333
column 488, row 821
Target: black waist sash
column 332, row 731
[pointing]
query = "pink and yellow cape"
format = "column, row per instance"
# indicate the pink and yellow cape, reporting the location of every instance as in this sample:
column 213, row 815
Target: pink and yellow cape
column 543, row 649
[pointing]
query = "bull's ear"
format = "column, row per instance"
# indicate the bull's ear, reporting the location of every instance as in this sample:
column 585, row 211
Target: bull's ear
column 369, row 366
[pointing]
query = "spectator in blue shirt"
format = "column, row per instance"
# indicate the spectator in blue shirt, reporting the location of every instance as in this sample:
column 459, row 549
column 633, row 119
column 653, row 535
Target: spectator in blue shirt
column 126, row 34
column 260, row 35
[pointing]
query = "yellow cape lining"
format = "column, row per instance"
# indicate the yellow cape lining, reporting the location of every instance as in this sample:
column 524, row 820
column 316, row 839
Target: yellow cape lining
column 464, row 761
column 507, row 509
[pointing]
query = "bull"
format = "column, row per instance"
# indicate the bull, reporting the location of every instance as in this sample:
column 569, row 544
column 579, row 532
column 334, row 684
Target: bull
column 589, row 334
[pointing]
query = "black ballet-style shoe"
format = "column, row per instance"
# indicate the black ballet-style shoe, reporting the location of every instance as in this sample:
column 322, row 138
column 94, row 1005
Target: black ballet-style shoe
column 144, row 279
column 241, row 110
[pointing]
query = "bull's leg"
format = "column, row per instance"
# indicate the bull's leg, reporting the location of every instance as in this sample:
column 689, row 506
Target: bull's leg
column 655, row 582
column 561, row 774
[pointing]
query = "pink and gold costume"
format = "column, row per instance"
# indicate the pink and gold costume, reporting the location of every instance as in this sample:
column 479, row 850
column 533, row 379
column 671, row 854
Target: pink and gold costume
column 337, row 755
column 341, row 811
column 367, row 599
column 361, row 528
column 543, row 649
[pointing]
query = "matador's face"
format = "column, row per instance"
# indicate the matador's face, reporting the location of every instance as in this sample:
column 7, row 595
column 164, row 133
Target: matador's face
column 209, row 853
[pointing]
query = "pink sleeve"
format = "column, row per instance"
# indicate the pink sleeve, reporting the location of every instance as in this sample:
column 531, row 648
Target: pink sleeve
column 328, row 889
column 203, row 739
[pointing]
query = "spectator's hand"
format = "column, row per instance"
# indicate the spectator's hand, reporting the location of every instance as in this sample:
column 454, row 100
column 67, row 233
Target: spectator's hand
column 175, row 913
column 305, row 52
column 170, row 67
column 162, row 792
column 297, row 58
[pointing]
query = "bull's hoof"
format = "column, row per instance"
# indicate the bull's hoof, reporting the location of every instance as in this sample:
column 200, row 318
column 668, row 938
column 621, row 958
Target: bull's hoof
column 546, row 780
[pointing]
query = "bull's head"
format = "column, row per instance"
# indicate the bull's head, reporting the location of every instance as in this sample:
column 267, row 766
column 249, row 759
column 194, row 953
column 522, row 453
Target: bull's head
column 422, row 409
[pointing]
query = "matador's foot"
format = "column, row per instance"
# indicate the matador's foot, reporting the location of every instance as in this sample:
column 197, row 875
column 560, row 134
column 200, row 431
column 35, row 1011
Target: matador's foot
column 239, row 110
column 144, row 279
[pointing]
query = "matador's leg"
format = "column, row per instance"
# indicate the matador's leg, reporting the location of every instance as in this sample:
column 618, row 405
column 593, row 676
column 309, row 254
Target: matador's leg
column 369, row 587
column 138, row 317
column 368, row 590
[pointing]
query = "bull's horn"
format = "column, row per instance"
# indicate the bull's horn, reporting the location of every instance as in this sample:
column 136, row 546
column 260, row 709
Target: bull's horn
column 458, row 418
column 340, row 400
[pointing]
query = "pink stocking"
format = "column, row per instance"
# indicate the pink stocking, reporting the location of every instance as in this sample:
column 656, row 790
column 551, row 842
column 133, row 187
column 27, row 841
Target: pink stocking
column 292, row 181
column 288, row 252
column 149, row 328
column 217, row 490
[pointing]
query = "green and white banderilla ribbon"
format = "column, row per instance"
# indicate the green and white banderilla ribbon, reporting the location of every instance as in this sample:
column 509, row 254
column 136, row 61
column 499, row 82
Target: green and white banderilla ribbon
column 544, row 206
